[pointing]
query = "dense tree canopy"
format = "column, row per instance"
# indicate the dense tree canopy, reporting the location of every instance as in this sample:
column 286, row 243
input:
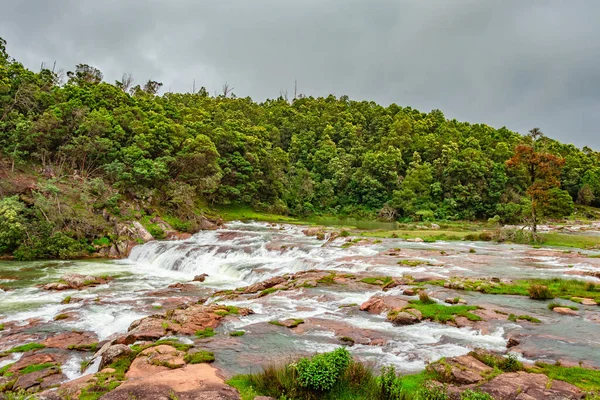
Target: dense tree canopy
column 310, row 155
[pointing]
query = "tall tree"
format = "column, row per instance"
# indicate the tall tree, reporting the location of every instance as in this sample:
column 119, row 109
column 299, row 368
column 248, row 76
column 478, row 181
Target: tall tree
column 543, row 172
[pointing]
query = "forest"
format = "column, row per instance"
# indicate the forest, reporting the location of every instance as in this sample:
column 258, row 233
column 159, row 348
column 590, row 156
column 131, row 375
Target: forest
column 75, row 150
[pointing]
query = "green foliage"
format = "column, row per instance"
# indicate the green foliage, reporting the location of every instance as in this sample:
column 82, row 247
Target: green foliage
column 237, row 333
column 200, row 356
column 378, row 280
column 107, row 152
column 322, row 371
column 511, row 364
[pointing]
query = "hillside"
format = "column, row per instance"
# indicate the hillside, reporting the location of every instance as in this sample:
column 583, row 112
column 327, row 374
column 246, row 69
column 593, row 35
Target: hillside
column 79, row 155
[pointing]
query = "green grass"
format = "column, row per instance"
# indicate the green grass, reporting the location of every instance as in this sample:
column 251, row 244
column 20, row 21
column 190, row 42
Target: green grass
column 327, row 279
column 227, row 310
column 515, row 318
column 295, row 323
column 84, row 347
column 441, row 313
column 555, row 304
column 378, row 280
column 237, row 333
column 169, row 342
column 245, row 213
column 26, row 347
column 66, row 300
column 563, row 288
column 4, row 370
column 348, row 305
column 205, row 333
column 108, row 381
column 411, row 263
column 267, row 292
column 1, row 327
column 569, row 240
column 36, row 367
column 199, row 357
column 586, row 379
column 61, row 317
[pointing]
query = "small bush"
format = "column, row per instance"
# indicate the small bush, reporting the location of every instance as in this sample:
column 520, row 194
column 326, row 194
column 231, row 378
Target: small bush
column 431, row 391
column 511, row 364
column 390, row 384
column 540, row 292
column 322, row 370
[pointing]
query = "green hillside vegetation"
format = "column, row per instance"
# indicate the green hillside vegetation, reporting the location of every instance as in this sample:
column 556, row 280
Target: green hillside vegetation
column 78, row 153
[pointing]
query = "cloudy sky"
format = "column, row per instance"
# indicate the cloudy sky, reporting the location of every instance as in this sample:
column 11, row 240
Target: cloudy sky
column 509, row 63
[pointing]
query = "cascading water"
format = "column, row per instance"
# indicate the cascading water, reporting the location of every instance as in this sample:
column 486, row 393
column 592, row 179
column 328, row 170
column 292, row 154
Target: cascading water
column 245, row 253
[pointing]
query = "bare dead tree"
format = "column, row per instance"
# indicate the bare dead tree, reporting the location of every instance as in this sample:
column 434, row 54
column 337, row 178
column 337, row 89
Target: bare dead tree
column 295, row 89
column 227, row 90
column 283, row 94
column 125, row 83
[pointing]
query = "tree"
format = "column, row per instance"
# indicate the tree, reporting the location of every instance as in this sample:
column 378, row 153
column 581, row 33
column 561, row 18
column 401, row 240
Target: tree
column 543, row 172
column 85, row 74
column 125, row 83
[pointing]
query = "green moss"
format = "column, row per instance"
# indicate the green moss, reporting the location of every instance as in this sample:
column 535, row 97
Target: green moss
column 237, row 333
column 61, row 317
column 347, row 305
column 205, row 333
column 84, row 347
column 554, row 304
column 26, row 347
column 267, row 292
column 66, row 300
column 36, row 367
column 411, row 263
column 169, row 342
column 378, row 280
column 199, row 357
column 442, row 313
column 4, row 370
column 327, row 280
column 275, row 322
column 1, row 327
column 515, row 318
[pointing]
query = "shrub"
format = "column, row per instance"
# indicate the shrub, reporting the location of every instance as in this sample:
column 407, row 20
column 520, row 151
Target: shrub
column 540, row 292
column 511, row 364
column 322, row 370
column 390, row 384
column 431, row 391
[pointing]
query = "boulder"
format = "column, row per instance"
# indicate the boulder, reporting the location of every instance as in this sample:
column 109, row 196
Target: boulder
column 463, row 370
column 142, row 233
column 378, row 305
column 72, row 340
column 404, row 317
column 76, row 281
column 585, row 301
column 415, row 240
column 512, row 342
column 565, row 311
column 200, row 278
column 110, row 352
column 528, row 385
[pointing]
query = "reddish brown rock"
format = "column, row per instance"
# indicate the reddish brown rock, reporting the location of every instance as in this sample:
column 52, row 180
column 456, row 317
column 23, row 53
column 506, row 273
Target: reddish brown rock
column 565, row 311
column 76, row 281
column 536, row 386
column 70, row 340
column 378, row 304
column 463, row 370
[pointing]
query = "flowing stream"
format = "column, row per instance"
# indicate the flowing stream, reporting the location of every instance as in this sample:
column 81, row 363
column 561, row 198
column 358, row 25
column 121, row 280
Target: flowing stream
column 246, row 253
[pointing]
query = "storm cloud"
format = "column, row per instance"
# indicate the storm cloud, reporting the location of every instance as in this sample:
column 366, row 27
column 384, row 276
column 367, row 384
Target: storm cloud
column 509, row 63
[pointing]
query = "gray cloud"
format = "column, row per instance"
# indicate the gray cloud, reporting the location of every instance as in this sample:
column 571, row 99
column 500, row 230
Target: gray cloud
column 513, row 63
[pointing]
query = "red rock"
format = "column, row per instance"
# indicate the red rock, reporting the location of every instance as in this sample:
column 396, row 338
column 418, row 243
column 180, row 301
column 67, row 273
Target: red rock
column 537, row 386
column 565, row 311
column 71, row 339
column 378, row 305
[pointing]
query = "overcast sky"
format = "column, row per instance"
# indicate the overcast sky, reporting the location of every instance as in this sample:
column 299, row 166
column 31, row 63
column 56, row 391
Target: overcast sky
column 509, row 63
